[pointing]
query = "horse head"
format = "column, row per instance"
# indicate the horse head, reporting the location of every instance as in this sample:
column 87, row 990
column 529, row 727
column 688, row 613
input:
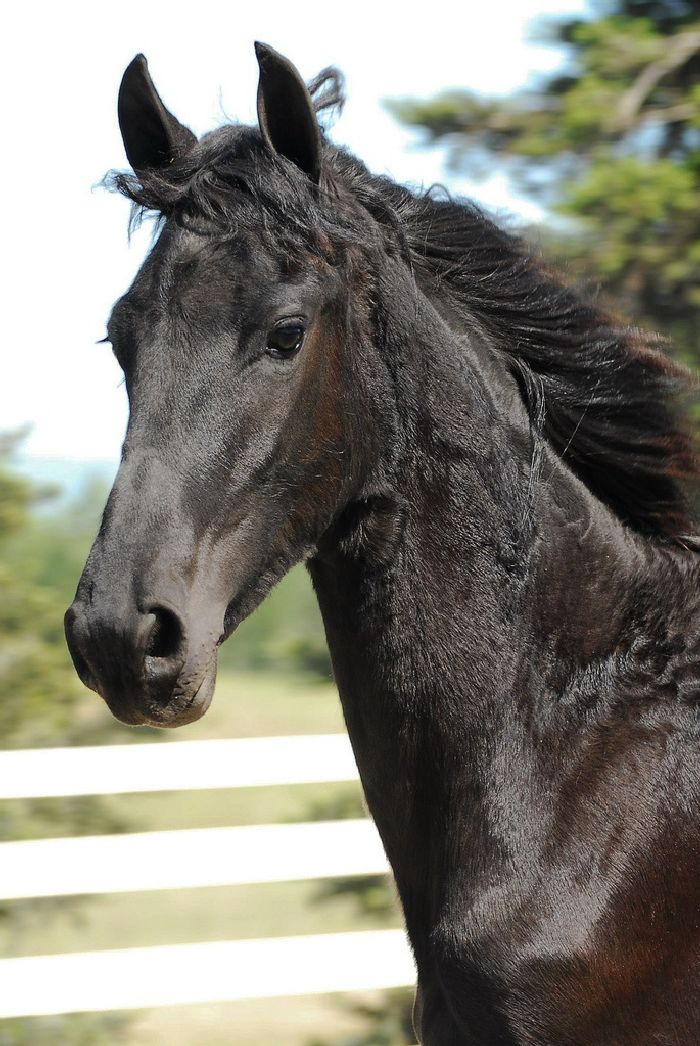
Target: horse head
column 244, row 341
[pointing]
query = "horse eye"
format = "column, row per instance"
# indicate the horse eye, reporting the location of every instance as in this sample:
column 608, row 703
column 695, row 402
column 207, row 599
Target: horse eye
column 285, row 340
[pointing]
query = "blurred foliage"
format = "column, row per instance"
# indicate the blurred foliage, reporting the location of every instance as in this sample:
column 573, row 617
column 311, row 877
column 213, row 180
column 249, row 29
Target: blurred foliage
column 390, row 1022
column 37, row 680
column 611, row 144
column 373, row 894
column 84, row 1029
column 284, row 635
column 342, row 805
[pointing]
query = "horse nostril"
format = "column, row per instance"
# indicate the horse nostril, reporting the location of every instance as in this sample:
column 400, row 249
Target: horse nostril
column 166, row 635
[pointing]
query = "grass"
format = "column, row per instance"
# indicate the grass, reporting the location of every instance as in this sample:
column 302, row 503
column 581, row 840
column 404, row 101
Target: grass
column 216, row 913
column 292, row 1021
column 244, row 706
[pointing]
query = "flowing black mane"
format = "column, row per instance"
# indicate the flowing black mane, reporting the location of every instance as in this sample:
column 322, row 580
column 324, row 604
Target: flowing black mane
column 602, row 393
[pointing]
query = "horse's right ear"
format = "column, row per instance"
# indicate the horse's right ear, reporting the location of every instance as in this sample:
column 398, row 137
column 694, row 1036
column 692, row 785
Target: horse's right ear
column 152, row 136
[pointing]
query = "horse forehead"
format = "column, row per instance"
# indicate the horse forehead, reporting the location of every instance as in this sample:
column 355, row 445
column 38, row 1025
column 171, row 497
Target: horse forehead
column 182, row 255
column 193, row 275
column 242, row 259
column 188, row 271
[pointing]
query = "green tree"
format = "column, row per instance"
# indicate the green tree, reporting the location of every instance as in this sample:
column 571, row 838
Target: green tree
column 611, row 143
column 35, row 681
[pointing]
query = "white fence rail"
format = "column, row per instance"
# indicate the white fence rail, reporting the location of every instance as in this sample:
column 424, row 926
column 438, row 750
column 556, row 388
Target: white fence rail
column 194, row 973
column 191, row 973
column 249, row 762
column 193, row 857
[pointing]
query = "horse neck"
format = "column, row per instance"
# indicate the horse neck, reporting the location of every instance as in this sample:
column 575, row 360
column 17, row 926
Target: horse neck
column 446, row 648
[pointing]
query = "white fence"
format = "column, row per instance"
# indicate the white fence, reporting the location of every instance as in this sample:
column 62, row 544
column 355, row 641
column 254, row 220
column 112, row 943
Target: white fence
column 205, row 972
column 112, row 769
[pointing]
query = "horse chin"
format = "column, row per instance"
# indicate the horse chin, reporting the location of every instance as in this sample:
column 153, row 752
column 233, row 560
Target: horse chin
column 185, row 705
column 194, row 708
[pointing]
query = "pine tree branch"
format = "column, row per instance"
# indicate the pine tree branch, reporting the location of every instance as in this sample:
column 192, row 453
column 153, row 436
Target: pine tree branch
column 672, row 113
column 681, row 48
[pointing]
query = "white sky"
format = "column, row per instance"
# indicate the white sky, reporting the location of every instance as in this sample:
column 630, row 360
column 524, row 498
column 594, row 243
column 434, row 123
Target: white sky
column 65, row 246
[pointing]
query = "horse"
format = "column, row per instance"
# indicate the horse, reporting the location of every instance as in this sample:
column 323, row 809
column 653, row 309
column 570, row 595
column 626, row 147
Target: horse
column 486, row 474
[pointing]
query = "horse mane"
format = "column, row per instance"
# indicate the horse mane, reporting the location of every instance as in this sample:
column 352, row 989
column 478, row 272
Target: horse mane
column 603, row 394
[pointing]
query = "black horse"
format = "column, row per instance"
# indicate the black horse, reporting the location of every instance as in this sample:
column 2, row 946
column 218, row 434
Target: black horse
column 482, row 471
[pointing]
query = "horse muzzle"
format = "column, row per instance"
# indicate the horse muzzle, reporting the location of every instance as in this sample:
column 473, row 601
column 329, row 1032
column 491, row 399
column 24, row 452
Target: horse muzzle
column 149, row 667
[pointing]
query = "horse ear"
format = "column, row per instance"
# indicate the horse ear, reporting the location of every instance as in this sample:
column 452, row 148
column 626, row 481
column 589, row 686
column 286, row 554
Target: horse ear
column 152, row 136
column 286, row 113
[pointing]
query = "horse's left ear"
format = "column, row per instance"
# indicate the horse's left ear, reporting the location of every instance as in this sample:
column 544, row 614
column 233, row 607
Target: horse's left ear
column 286, row 113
